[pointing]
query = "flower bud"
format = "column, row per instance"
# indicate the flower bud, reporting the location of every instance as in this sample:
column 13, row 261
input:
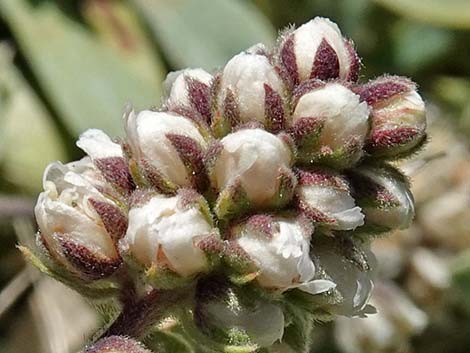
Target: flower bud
column 167, row 147
column 251, row 90
column 384, row 196
column 117, row 344
column 280, row 250
column 163, row 233
column 226, row 310
column 398, row 116
column 108, row 157
column 255, row 164
column 317, row 49
column 189, row 89
column 78, row 224
column 349, row 266
column 324, row 197
column 330, row 124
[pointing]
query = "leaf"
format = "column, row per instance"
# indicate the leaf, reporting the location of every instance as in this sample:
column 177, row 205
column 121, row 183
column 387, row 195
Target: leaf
column 28, row 138
column 448, row 13
column 205, row 33
column 88, row 76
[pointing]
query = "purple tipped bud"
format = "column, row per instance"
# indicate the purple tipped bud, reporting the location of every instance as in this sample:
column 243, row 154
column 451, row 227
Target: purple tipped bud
column 324, row 197
column 250, row 89
column 189, row 89
column 171, row 145
column 384, row 196
column 398, row 116
column 117, row 344
column 79, row 226
column 329, row 123
column 317, row 49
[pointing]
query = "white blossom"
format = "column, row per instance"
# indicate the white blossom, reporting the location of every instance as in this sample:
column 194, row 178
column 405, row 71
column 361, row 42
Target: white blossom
column 163, row 231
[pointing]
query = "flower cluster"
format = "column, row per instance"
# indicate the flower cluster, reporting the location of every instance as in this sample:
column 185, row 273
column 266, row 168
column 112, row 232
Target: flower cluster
column 256, row 189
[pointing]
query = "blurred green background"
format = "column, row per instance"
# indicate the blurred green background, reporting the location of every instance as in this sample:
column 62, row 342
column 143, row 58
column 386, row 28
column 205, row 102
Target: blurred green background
column 69, row 65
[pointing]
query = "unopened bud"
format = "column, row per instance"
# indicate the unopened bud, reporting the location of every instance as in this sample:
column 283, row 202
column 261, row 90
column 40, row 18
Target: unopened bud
column 324, row 197
column 280, row 249
column 330, row 124
column 79, row 226
column 163, row 233
column 384, row 196
column 255, row 163
column 190, row 90
column 398, row 116
column 317, row 49
column 168, row 148
column 251, row 90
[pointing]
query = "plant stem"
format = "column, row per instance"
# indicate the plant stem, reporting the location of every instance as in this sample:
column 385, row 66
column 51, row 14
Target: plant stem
column 137, row 316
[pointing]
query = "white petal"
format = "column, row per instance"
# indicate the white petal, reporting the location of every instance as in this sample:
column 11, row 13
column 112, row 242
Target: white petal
column 317, row 286
column 98, row 145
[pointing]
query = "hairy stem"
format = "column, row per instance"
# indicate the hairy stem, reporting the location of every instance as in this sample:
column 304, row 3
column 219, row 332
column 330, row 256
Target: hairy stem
column 138, row 316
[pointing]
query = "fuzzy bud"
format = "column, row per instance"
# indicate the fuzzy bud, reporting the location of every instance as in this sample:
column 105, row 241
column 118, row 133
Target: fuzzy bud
column 251, row 90
column 168, row 147
column 79, row 226
column 189, row 89
column 254, row 163
column 163, row 233
column 317, row 49
column 398, row 116
column 117, row 344
column 384, row 196
column 324, row 197
column 225, row 312
column 280, row 249
column 330, row 124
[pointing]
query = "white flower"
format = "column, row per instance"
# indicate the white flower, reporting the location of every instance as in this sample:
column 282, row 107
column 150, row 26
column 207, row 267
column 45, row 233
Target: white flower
column 384, row 197
column 283, row 256
column 354, row 285
column 345, row 117
column 247, row 76
column 149, row 134
column 317, row 49
column 163, row 231
column 98, row 145
column 254, row 157
column 68, row 213
column 189, row 89
column 325, row 198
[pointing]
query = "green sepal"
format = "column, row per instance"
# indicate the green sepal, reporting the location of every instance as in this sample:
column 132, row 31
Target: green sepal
column 232, row 202
column 221, row 126
column 164, row 278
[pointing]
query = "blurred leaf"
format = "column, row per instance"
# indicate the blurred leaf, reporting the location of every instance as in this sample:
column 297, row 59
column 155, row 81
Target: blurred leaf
column 447, row 13
column 416, row 45
column 87, row 76
column 205, row 33
column 461, row 276
column 28, row 138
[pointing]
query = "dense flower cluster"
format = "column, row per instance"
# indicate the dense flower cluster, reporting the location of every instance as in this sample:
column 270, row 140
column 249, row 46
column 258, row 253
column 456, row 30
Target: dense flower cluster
column 258, row 186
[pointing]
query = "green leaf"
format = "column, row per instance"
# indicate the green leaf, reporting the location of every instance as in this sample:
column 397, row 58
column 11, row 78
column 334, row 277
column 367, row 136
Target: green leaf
column 28, row 138
column 461, row 276
column 205, row 33
column 88, row 74
column 446, row 13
